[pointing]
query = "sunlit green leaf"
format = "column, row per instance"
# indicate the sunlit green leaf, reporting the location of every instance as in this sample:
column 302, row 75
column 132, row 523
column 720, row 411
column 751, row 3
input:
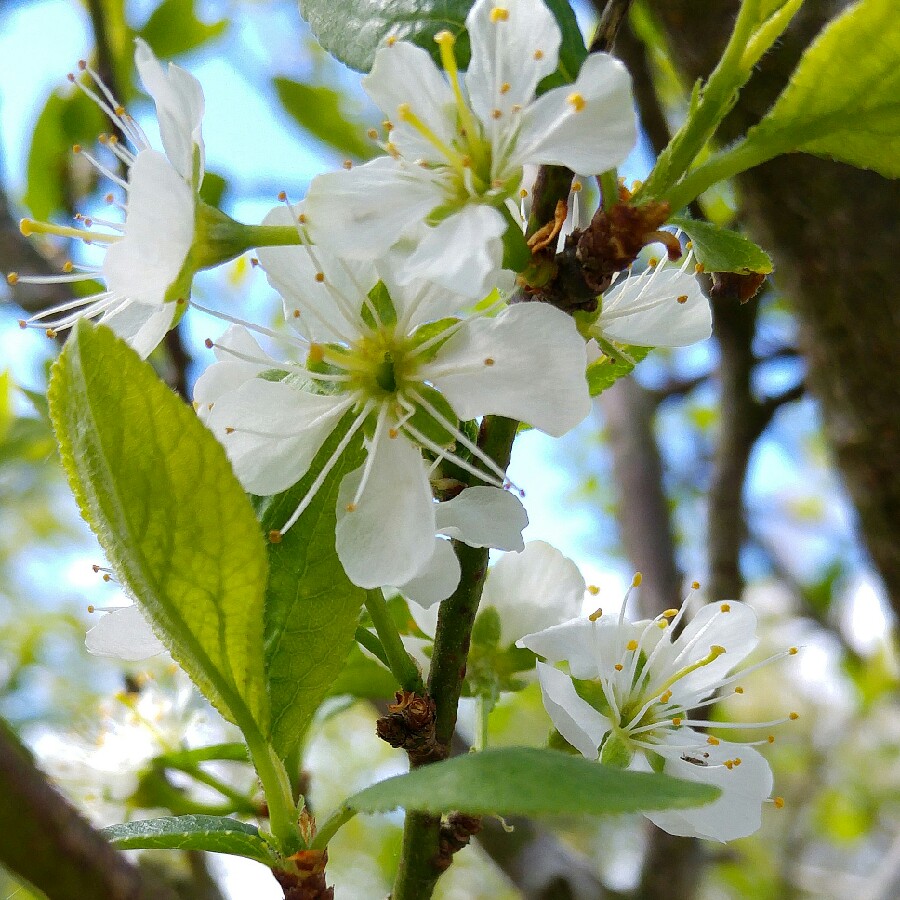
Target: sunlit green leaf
column 607, row 370
column 527, row 781
column 721, row 250
column 214, row 834
column 312, row 608
column 843, row 100
column 173, row 28
column 320, row 110
column 159, row 492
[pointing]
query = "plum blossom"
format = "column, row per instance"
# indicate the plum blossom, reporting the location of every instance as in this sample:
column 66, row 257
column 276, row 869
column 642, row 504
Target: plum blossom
column 392, row 363
column 147, row 264
column 661, row 307
column 631, row 698
column 457, row 146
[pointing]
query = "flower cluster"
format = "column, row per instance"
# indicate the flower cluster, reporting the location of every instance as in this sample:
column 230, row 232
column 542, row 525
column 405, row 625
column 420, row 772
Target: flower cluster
column 400, row 335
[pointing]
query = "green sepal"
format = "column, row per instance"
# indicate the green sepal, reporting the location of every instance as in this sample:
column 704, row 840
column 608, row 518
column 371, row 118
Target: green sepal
column 722, row 250
column 383, row 305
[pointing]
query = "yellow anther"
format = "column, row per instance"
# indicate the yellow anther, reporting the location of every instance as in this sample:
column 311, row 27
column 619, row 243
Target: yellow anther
column 523, row 193
column 392, row 39
column 120, row 110
column 388, row 125
column 110, row 198
column 695, row 585
column 636, row 581
column 229, row 430
column 794, row 716
column 665, row 697
column 636, row 185
column 593, row 590
column 516, row 107
column 274, row 537
column 699, row 268
column 729, row 764
column 67, row 266
column 489, row 361
column 350, row 507
column 771, row 738
column 498, row 14
column 595, row 615
column 737, row 760
column 50, row 333
column 713, row 741
column 302, row 218
column 725, row 607
column 445, row 38
column 739, row 690
column 282, row 196
column 576, row 187
column 662, row 624
column 618, row 667
column 320, row 277
column 91, row 608
column 76, row 148
column 670, row 613
column 779, row 802
column 577, row 101
column 347, row 164
column 296, row 314
column 505, row 87
column 393, row 433
column 12, row 278
column 677, row 720
column 372, row 134
column 496, row 113
column 538, row 54
column 316, row 351
column 682, row 299
column 631, row 645
column 103, row 138
column 689, row 245
column 793, row 651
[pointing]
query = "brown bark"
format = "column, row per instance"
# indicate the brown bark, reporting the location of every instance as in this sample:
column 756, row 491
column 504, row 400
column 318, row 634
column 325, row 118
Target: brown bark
column 833, row 231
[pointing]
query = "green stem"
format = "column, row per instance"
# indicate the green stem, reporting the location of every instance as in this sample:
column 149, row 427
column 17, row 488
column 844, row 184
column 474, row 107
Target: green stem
column 241, row 802
column 716, row 99
column 232, row 752
column 272, row 235
column 399, row 661
column 416, row 873
column 279, row 795
column 609, row 188
column 330, row 827
column 742, row 156
column 366, row 639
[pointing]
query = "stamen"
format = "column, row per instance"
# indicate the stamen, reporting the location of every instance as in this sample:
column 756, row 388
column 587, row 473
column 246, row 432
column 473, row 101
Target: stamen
column 498, row 14
column 576, row 101
column 428, row 444
column 455, row 159
column 29, row 227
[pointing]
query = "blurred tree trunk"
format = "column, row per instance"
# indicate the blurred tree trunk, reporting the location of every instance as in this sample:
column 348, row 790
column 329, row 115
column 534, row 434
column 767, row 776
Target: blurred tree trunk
column 833, row 231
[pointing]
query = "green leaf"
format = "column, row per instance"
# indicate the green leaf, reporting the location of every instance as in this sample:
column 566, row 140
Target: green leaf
column 173, row 28
column 843, row 99
column 213, row 189
column 312, row 608
column 63, row 122
column 159, row 492
column 721, row 250
column 319, row 110
column 365, row 678
column 352, row 30
column 606, row 371
column 527, row 781
column 215, row 834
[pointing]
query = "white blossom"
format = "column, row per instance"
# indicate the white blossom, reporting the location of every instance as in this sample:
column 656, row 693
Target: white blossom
column 146, row 266
column 632, row 696
column 457, row 146
column 390, row 361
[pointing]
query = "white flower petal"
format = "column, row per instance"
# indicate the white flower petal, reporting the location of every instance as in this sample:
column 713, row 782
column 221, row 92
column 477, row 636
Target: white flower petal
column 389, row 537
column 588, row 647
column 437, row 581
column 406, row 74
column 277, row 431
column 738, row 811
column 513, row 52
column 159, row 231
column 142, row 326
column 589, row 126
column 528, row 363
column 123, row 633
column 230, row 372
column 648, row 310
column 533, row 590
column 179, row 108
column 484, row 517
column 363, row 212
column 463, row 254
column 321, row 310
column 575, row 719
column 734, row 629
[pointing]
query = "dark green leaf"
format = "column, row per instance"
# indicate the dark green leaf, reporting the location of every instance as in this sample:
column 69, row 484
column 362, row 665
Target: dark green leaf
column 527, row 781
column 352, row 30
column 721, row 250
column 173, row 28
column 214, row 834
column 320, row 111
column 363, row 677
column 159, row 492
column 312, row 608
